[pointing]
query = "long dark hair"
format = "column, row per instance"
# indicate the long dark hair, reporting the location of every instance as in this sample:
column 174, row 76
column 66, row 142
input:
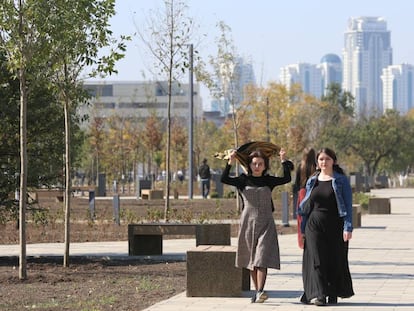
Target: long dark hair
column 258, row 154
column 332, row 155
column 307, row 165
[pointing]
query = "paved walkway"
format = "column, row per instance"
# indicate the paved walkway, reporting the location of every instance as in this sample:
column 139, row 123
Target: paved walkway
column 381, row 261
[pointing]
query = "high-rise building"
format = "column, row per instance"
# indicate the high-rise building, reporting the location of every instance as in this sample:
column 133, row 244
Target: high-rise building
column 313, row 79
column 231, row 85
column 309, row 77
column 367, row 50
column 331, row 70
column 398, row 87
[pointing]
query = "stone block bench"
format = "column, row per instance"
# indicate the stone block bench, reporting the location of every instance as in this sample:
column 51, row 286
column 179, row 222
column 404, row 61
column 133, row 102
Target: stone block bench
column 211, row 272
column 147, row 239
column 152, row 194
column 356, row 215
column 379, row 206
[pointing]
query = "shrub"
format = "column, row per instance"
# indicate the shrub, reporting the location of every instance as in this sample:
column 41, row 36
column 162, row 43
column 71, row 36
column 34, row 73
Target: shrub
column 362, row 199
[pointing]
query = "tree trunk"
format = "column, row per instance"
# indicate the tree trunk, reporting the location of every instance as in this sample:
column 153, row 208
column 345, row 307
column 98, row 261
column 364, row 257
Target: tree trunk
column 23, row 146
column 23, row 175
column 168, row 152
column 68, row 185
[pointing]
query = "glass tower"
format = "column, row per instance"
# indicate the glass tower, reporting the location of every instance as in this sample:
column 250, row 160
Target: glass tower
column 367, row 50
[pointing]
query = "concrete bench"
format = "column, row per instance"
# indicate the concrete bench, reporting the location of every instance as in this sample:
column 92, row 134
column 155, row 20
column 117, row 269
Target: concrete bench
column 82, row 189
column 379, row 206
column 152, row 194
column 147, row 239
column 356, row 215
column 211, row 272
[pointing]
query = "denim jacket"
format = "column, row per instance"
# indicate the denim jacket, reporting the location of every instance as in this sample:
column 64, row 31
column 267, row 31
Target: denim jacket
column 343, row 195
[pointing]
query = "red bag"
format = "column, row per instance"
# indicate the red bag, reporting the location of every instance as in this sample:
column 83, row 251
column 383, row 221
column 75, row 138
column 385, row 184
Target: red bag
column 301, row 195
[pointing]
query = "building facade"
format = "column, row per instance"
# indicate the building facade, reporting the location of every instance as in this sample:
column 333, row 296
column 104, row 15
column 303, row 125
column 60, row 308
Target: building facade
column 139, row 100
column 309, row 76
column 331, row 70
column 314, row 79
column 367, row 51
column 398, row 87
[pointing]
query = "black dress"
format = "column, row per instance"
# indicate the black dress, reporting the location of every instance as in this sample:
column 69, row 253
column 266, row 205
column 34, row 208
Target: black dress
column 325, row 269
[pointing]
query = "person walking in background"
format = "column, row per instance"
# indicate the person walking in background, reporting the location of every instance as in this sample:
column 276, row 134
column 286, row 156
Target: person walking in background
column 327, row 227
column 205, row 176
column 257, row 248
column 306, row 168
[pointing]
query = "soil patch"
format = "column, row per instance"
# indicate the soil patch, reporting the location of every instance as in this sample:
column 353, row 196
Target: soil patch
column 89, row 284
column 101, row 283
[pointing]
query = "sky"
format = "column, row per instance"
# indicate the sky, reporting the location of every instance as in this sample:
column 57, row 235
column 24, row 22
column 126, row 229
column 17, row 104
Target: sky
column 269, row 33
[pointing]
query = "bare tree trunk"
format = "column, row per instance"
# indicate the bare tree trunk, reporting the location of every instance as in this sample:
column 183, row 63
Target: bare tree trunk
column 23, row 148
column 170, row 79
column 168, row 152
column 68, row 185
column 23, row 175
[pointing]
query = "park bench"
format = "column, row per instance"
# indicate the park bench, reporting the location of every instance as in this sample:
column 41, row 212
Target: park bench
column 57, row 194
column 82, row 189
column 152, row 194
column 211, row 272
column 379, row 206
column 356, row 215
column 147, row 239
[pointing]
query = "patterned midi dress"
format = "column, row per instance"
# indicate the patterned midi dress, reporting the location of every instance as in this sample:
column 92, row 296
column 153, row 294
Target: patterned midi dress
column 257, row 239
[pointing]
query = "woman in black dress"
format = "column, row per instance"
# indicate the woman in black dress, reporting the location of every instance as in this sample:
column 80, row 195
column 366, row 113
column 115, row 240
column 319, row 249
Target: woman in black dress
column 327, row 227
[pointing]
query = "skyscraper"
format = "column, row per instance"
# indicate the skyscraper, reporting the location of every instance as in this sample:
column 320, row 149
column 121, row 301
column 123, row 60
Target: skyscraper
column 367, row 50
column 309, row 76
column 398, row 87
column 331, row 69
column 231, row 84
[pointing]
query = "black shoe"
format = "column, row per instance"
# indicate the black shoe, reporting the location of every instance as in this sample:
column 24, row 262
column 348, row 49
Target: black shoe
column 253, row 299
column 320, row 301
column 332, row 300
column 304, row 300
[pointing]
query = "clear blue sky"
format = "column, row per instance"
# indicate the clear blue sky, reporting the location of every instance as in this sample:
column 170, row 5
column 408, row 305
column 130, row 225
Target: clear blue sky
column 272, row 33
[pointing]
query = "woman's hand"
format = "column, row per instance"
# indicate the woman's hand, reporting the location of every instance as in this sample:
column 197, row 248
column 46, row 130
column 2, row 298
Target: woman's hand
column 282, row 154
column 232, row 156
column 347, row 236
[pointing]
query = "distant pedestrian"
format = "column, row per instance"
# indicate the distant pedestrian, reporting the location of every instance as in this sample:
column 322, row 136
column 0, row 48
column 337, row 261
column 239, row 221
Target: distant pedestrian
column 205, row 176
column 180, row 176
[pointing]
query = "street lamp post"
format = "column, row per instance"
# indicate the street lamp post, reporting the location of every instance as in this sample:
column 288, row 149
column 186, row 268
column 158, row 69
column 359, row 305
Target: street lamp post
column 190, row 124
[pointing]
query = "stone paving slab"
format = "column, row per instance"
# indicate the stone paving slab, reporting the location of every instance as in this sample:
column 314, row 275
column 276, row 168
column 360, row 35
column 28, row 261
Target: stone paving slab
column 381, row 259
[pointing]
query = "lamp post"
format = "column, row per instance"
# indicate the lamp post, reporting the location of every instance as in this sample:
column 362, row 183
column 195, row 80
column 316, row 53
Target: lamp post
column 190, row 123
column 267, row 119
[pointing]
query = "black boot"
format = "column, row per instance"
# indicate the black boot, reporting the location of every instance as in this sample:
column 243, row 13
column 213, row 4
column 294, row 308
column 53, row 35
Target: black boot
column 332, row 300
column 304, row 300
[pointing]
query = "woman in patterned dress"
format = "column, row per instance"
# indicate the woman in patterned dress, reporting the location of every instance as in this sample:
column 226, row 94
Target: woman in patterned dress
column 258, row 247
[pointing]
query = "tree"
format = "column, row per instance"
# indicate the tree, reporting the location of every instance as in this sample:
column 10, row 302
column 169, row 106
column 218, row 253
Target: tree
column 179, row 144
column 380, row 139
column 226, row 86
column 336, row 118
column 152, row 141
column 166, row 36
column 24, row 47
column 58, row 39
column 77, row 33
column 341, row 101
